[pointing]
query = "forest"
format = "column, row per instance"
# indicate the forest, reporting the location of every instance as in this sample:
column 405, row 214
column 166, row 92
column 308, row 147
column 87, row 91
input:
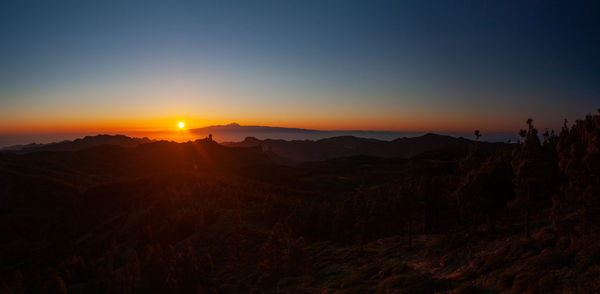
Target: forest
column 199, row 217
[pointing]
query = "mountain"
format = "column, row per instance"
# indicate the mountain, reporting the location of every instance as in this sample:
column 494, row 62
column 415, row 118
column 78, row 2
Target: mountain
column 344, row 146
column 234, row 132
column 235, row 127
column 80, row 144
column 284, row 152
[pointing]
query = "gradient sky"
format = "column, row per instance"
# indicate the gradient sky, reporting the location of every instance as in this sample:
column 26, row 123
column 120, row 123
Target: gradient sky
column 383, row 65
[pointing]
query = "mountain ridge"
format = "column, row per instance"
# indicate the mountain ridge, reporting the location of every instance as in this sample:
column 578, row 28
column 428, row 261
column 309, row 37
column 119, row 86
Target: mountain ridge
column 80, row 143
column 289, row 151
column 344, row 146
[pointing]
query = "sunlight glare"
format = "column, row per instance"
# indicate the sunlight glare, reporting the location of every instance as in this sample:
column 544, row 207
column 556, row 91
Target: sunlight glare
column 181, row 125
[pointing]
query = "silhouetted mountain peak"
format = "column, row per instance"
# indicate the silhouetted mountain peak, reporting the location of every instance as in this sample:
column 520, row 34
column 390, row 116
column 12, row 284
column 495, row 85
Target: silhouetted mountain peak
column 251, row 139
column 81, row 143
column 432, row 135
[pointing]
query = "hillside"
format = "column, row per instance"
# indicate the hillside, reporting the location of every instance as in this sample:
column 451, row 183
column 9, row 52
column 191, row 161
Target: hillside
column 114, row 161
column 199, row 217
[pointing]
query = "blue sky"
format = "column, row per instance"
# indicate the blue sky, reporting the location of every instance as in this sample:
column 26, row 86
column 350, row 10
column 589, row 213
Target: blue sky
column 409, row 66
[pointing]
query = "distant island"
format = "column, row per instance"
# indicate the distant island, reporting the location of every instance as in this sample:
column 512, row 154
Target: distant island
column 235, row 132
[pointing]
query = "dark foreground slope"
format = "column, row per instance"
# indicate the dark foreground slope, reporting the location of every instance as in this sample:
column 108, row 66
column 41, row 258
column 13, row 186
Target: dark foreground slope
column 203, row 218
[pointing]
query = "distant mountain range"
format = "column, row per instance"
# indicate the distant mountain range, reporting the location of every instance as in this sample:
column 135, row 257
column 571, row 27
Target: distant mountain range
column 80, row 144
column 344, row 146
column 286, row 151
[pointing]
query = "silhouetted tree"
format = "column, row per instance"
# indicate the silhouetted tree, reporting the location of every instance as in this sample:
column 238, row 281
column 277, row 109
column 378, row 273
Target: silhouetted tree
column 429, row 190
column 461, row 194
column 17, row 285
column 484, row 192
column 282, row 255
column 236, row 241
column 408, row 206
column 579, row 160
column 56, row 285
column 132, row 272
column 535, row 171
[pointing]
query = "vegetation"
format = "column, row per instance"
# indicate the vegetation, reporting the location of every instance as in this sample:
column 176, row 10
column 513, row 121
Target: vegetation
column 201, row 218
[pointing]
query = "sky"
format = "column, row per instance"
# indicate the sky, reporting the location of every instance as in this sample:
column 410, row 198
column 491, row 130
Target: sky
column 441, row 66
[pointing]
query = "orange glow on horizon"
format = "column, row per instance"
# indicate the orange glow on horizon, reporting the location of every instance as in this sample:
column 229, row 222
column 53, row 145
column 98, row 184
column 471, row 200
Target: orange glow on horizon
column 405, row 123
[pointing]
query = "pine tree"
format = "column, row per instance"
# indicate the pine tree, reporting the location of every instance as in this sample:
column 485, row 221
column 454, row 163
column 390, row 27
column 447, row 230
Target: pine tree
column 282, row 255
column 579, row 160
column 132, row 271
column 484, row 192
column 56, row 285
column 535, row 169
column 236, row 241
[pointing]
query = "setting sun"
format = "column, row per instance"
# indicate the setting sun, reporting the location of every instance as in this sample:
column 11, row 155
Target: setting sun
column 181, row 125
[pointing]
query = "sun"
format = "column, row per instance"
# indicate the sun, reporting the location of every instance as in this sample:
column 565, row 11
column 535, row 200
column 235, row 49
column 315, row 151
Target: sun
column 181, row 124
